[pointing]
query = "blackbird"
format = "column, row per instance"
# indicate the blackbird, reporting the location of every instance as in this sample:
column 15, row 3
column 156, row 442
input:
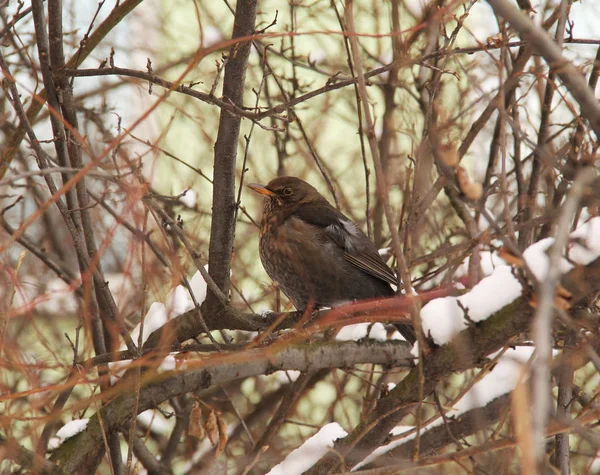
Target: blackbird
column 316, row 254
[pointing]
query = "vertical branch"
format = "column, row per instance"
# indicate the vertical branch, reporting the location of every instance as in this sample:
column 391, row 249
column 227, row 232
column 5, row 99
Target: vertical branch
column 65, row 125
column 562, row 453
column 222, row 231
column 503, row 108
column 544, row 317
column 117, row 14
column 382, row 189
column 361, row 135
column 86, row 264
column 527, row 236
column 58, row 128
column 517, row 160
column 575, row 157
column 74, row 159
column 387, row 134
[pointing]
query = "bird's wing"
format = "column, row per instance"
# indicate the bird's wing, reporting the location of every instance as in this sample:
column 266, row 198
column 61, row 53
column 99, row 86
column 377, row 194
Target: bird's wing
column 372, row 264
column 358, row 248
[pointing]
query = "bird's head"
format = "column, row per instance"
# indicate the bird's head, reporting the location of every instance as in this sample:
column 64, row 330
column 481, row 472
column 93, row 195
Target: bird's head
column 286, row 192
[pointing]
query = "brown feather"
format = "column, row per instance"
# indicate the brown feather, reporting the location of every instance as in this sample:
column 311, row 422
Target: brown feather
column 373, row 266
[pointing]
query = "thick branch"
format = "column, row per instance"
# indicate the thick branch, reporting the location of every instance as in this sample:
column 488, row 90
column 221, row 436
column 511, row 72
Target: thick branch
column 222, row 230
column 440, row 436
column 74, row 453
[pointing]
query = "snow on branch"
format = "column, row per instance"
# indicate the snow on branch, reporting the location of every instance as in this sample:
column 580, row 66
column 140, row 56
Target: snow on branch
column 444, row 318
column 309, row 452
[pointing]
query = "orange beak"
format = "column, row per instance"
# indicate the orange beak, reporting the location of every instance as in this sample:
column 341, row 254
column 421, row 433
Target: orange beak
column 260, row 189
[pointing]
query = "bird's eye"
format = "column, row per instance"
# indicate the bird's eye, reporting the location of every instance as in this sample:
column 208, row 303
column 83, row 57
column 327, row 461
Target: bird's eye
column 287, row 191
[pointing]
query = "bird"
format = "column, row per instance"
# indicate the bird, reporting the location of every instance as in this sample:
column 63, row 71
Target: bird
column 317, row 255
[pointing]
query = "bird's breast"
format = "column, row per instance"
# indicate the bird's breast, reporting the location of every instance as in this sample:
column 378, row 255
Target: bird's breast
column 279, row 238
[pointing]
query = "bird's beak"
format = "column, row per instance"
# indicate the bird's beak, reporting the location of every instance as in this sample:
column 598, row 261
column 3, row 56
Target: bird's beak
column 260, row 189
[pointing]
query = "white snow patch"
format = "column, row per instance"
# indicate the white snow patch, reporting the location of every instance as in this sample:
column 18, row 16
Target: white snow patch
column 155, row 318
column 305, row 456
column 359, row 331
column 444, row 318
column 168, row 364
column 491, row 294
column 537, row 258
column 378, row 332
column 154, row 420
column 72, row 428
column 317, row 56
column 353, row 332
column 177, row 301
column 188, row 198
column 285, row 377
column 198, row 286
column 67, row 431
column 583, row 247
column 502, row 379
column 489, row 262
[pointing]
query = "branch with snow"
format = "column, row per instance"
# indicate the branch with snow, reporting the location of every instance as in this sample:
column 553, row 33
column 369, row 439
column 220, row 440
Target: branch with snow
column 501, row 288
column 219, row 369
column 70, row 429
column 488, row 332
column 305, row 456
column 498, row 382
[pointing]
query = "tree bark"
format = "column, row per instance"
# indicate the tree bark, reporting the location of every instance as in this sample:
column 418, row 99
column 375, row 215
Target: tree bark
column 222, row 232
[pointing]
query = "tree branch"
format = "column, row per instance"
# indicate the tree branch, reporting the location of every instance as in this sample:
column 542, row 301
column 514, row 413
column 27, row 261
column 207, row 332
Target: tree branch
column 159, row 387
column 222, row 231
